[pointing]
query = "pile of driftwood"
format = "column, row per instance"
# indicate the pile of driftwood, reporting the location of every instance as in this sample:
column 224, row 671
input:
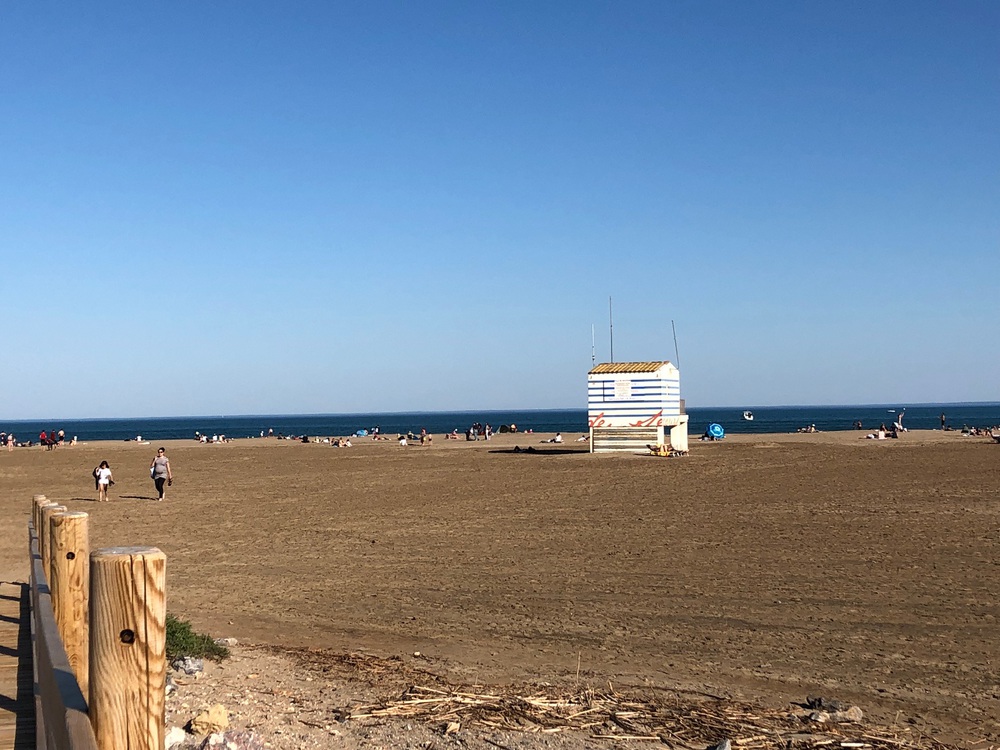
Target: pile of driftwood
column 683, row 721
column 608, row 715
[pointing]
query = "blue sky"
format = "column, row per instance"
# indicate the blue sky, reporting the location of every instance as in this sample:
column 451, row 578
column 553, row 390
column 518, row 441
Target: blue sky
column 247, row 207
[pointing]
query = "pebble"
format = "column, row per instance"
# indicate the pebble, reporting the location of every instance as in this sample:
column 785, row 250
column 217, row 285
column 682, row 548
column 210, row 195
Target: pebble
column 214, row 720
column 175, row 736
column 232, row 741
column 188, row 665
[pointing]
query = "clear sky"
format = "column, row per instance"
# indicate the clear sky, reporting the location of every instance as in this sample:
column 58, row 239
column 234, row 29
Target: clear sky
column 246, row 207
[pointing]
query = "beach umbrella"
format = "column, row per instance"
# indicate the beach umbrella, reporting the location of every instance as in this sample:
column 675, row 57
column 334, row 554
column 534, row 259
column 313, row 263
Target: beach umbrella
column 716, row 431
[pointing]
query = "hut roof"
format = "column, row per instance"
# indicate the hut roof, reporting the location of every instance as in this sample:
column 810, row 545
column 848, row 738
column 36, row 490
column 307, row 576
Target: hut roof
column 608, row 368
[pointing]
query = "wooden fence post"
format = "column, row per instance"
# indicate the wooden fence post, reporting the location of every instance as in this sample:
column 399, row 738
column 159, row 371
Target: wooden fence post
column 47, row 511
column 70, row 586
column 37, row 501
column 128, row 647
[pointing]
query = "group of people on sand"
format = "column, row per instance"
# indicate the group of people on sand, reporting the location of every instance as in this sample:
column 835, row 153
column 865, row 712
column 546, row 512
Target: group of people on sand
column 884, row 433
column 51, row 440
column 425, row 438
column 213, row 439
column 991, row 432
column 47, row 439
column 159, row 471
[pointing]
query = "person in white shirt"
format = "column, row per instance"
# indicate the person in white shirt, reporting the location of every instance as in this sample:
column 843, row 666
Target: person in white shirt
column 104, row 480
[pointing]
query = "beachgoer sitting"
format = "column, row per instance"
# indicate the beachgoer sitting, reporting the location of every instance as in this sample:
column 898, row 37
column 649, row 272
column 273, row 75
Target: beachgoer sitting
column 402, row 441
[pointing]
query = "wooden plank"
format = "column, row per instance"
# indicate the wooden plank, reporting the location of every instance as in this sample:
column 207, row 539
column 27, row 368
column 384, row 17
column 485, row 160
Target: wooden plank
column 17, row 718
column 60, row 708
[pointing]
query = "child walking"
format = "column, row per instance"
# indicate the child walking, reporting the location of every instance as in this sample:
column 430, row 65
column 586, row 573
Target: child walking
column 104, row 480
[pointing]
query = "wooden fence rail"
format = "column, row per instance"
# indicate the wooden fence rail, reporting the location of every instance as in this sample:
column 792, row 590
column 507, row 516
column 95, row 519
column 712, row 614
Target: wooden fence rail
column 99, row 635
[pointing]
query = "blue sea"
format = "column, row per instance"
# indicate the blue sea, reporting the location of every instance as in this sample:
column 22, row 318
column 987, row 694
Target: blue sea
column 568, row 421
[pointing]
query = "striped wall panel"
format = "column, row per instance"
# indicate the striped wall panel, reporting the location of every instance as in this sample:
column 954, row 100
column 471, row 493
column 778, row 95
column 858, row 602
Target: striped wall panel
column 629, row 439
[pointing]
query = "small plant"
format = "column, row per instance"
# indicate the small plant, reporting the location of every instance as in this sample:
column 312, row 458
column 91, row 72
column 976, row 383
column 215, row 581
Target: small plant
column 183, row 641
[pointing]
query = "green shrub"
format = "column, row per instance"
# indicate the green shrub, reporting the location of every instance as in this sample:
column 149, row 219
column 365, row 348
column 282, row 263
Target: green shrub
column 183, row 641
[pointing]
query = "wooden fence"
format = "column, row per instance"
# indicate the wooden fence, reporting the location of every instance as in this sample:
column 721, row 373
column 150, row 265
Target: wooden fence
column 98, row 626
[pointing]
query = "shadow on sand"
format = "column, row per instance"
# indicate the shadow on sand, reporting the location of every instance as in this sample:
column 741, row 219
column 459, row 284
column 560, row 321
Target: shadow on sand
column 533, row 451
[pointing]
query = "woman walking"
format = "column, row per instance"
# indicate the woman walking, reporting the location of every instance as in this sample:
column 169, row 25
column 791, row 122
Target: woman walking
column 104, row 480
column 160, row 470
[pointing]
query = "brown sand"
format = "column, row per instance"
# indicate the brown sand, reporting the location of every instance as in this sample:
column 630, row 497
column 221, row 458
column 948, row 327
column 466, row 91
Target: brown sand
column 766, row 567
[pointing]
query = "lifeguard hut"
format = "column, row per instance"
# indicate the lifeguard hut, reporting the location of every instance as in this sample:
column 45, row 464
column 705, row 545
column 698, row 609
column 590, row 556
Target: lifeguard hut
column 632, row 404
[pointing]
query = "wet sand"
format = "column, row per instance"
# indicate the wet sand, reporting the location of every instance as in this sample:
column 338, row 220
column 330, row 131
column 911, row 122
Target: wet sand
column 766, row 567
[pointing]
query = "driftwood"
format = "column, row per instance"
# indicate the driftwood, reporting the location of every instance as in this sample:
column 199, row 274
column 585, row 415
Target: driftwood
column 678, row 720
column 607, row 715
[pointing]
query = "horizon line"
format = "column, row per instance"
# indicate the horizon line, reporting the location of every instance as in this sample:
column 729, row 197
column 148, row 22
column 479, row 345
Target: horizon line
column 935, row 404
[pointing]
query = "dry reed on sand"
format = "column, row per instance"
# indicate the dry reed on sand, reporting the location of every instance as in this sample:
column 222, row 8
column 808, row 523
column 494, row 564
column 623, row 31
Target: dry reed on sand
column 669, row 718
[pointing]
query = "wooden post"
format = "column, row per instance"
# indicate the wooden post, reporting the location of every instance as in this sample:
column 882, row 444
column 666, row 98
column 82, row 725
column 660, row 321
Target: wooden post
column 37, row 501
column 128, row 638
column 47, row 511
column 70, row 585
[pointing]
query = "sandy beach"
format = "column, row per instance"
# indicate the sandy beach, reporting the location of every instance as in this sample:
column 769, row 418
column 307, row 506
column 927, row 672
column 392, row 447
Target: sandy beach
column 765, row 567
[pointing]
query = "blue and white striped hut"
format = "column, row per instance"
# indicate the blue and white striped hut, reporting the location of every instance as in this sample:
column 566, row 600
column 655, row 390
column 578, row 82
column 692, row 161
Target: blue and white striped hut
column 631, row 405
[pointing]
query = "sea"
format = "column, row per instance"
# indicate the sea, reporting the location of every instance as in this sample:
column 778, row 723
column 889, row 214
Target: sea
column 568, row 421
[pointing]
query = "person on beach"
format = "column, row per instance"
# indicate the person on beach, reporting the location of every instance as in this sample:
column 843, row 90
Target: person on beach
column 104, row 480
column 10, row 443
column 160, row 469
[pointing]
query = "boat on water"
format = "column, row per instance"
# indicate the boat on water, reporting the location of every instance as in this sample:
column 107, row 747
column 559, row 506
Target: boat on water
column 748, row 416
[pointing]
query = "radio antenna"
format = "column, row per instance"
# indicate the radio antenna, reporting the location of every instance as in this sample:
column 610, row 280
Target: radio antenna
column 611, row 324
column 677, row 354
column 593, row 346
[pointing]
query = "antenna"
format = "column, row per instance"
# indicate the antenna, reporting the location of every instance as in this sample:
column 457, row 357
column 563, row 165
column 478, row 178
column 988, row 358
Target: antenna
column 611, row 323
column 593, row 347
column 677, row 354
